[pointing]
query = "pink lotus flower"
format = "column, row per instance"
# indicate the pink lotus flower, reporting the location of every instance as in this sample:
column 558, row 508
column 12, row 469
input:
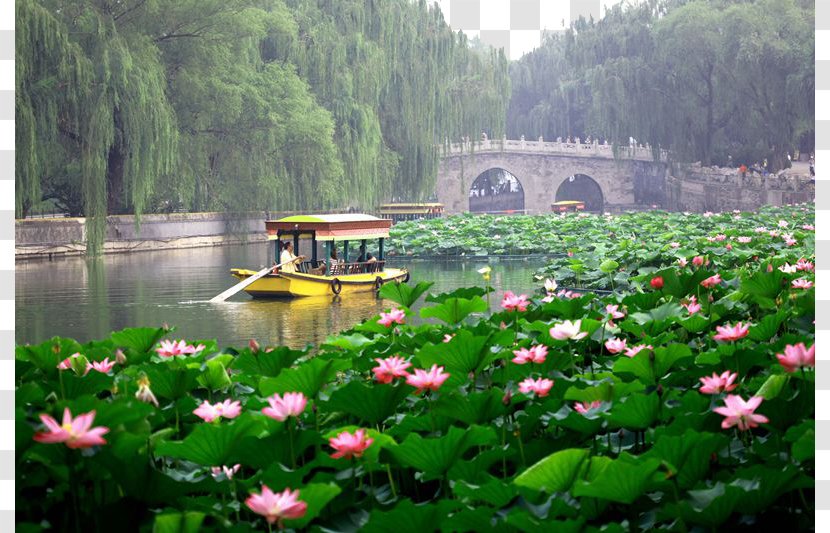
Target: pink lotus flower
column 708, row 214
column 682, row 262
column 173, row 348
column 229, row 472
column 674, row 244
column 717, row 384
column 741, row 413
column 226, row 409
column 349, row 445
column 511, row 302
column 783, row 223
column 808, row 227
column 253, row 345
column 798, row 356
column 802, row 283
column 583, row 407
column 774, row 233
column 760, row 229
column 615, row 345
column 76, row 433
column 570, row 253
column 541, row 387
column 67, row 364
column 732, row 333
column 568, row 330
column 692, row 306
column 448, row 337
column 729, row 247
column 567, row 294
column 290, row 404
column 656, row 282
column 394, row 316
column 390, row 368
column 720, row 237
column 803, row 264
column 120, row 358
column 712, row 281
column 104, row 367
column 634, row 350
column 536, row 354
column 744, row 240
column 698, row 260
column 277, row 506
column 790, row 241
column 613, row 311
column 427, row 380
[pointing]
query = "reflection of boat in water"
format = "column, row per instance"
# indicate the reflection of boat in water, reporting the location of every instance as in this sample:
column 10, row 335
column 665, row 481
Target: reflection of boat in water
column 317, row 277
column 296, row 322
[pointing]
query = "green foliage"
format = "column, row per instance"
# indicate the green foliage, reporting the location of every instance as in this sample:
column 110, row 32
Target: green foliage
column 677, row 75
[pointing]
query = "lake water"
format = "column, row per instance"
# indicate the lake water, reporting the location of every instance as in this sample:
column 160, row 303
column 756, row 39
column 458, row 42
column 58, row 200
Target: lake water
column 88, row 299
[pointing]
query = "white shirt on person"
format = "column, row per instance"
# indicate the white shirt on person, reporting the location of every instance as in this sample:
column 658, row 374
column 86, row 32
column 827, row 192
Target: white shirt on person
column 287, row 258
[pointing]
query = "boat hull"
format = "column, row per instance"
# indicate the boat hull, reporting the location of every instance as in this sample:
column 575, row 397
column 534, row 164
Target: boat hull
column 289, row 285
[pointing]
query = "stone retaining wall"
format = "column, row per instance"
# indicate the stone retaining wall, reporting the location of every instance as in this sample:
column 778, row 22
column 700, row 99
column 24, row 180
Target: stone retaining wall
column 48, row 237
column 699, row 189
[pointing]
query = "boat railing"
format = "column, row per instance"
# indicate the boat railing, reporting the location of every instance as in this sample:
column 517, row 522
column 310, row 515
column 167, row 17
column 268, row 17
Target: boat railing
column 341, row 269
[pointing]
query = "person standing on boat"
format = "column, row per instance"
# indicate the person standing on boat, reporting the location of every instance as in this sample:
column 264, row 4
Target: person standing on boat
column 288, row 259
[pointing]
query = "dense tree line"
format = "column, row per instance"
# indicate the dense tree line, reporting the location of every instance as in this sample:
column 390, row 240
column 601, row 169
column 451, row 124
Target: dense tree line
column 153, row 105
column 706, row 79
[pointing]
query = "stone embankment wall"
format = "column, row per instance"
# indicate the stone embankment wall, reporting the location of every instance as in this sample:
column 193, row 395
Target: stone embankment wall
column 36, row 238
column 696, row 188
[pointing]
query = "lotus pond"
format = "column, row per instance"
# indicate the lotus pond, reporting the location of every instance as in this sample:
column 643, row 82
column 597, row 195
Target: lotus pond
column 608, row 251
column 684, row 403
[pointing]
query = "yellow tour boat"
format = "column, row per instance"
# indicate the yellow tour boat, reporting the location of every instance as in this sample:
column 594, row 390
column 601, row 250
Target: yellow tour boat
column 567, row 205
column 320, row 277
column 399, row 212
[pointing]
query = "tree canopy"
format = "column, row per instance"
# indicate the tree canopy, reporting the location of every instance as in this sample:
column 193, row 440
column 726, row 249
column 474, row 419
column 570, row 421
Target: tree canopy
column 158, row 105
column 705, row 79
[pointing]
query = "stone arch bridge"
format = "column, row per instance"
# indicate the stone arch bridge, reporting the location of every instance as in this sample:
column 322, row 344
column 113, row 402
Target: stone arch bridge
column 506, row 175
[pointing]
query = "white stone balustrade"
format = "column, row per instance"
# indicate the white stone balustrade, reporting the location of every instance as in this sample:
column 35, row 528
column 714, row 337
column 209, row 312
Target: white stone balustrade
column 561, row 148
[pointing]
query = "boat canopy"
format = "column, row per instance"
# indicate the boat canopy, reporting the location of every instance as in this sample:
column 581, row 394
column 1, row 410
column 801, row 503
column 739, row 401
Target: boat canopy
column 335, row 227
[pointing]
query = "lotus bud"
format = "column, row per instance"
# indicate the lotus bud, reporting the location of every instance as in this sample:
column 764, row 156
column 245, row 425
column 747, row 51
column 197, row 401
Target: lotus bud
column 769, row 267
column 56, row 348
column 508, row 395
column 253, row 345
column 165, row 327
column 120, row 358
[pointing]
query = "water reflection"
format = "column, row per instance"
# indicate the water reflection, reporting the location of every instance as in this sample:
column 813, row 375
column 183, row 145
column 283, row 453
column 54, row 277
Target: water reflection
column 88, row 299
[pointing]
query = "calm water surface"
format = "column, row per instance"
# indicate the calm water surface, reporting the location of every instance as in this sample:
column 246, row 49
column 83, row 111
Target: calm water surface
column 88, row 299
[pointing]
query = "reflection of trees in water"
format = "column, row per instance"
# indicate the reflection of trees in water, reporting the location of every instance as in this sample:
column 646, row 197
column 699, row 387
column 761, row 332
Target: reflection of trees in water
column 496, row 190
column 581, row 188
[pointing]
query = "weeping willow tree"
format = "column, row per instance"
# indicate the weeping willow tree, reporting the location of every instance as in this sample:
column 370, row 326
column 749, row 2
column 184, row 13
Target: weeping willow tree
column 106, row 108
column 708, row 80
column 136, row 106
column 398, row 82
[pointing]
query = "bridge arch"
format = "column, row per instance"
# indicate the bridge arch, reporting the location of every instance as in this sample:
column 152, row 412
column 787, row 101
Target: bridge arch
column 583, row 188
column 496, row 190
